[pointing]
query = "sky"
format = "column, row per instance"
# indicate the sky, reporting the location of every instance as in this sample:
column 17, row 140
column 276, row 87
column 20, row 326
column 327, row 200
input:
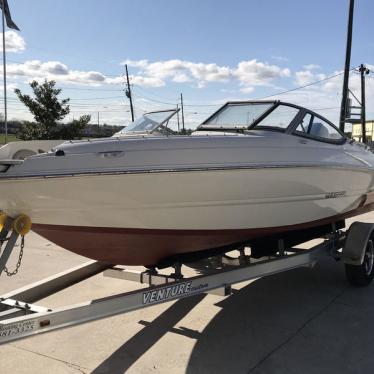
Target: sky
column 211, row 51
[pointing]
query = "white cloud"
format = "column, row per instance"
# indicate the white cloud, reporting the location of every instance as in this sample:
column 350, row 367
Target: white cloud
column 306, row 77
column 135, row 63
column 10, row 87
column 38, row 70
column 185, row 71
column 209, row 72
column 247, row 73
column 13, row 42
column 55, row 70
column 157, row 74
column 247, row 90
column 147, row 81
column 181, row 78
column 311, row 67
column 242, row 78
column 258, row 73
column 55, row 67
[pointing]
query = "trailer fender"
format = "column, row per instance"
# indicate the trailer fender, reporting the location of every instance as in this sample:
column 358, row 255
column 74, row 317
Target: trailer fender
column 356, row 242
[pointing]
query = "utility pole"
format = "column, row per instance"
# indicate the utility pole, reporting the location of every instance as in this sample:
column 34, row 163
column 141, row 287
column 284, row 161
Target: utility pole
column 364, row 71
column 178, row 117
column 343, row 108
column 4, row 80
column 98, row 118
column 128, row 93
column 182, row 113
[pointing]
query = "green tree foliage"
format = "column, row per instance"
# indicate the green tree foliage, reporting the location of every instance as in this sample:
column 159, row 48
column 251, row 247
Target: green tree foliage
column 48, row 110
column 185, row 132
column 71, row 130
column 74, row 129
column 31, row 131
column 46, row 107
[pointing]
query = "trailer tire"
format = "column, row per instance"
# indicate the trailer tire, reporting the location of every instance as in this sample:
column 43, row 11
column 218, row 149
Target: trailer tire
column 362, row 275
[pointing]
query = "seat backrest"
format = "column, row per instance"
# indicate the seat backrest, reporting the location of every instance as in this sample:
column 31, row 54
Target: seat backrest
column 319, row 130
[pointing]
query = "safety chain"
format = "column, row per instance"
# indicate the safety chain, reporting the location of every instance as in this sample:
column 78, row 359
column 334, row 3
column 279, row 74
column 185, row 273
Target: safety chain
column 15, row 271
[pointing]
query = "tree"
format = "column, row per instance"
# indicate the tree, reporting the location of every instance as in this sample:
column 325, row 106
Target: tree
column 31, row 131
column 71, row 130
column 74, row 129
column 46, row 108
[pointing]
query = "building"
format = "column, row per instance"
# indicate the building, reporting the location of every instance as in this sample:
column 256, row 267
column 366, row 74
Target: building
column 357, row 131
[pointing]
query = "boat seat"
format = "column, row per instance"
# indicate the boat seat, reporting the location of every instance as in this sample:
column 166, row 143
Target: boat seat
column 319, row 130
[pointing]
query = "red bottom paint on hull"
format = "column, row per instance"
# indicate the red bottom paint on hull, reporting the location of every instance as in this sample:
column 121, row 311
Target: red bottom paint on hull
column 148, row 246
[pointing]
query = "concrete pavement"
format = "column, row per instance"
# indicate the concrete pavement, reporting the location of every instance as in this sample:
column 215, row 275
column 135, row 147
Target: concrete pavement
column 301, row 321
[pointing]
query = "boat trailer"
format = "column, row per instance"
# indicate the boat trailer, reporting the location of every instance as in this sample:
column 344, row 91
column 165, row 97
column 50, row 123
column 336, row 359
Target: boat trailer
column 21, row 317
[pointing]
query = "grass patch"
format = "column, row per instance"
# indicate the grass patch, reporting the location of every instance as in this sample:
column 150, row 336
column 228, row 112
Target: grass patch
column 11, row 138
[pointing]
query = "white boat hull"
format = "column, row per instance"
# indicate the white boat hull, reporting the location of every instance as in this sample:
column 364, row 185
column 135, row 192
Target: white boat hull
column 144, row 217
column 193, row 200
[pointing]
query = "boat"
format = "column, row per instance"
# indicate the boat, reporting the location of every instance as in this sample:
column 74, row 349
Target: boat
column 253, row 170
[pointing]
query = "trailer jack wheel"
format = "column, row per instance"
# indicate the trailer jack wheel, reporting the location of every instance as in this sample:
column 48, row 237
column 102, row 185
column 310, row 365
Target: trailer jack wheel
column 362, row 275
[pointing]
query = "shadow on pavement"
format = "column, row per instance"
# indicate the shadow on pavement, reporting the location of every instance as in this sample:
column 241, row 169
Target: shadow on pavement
column 125, row 356
column 301, row 321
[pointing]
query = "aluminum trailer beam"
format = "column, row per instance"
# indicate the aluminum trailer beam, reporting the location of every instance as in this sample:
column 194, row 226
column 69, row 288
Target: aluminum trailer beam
column 10, row 244
column 44, row 320
column 51, row 285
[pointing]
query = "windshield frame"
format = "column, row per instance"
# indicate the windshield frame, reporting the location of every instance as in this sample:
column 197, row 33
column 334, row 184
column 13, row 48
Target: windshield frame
column 173, row 112
column 291, row 126
column 290, row 129
column 302, row 114
column 204, row 127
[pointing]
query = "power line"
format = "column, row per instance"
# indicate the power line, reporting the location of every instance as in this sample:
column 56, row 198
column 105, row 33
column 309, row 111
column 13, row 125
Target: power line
column 89, row 89
column 154, row 100
column 172, row 103
column 301, row 87
column 77, row 103
column 99, row 98
column 147, row 91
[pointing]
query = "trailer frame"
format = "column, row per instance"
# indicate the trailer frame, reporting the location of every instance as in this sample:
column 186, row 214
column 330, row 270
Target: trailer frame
column 21, row 317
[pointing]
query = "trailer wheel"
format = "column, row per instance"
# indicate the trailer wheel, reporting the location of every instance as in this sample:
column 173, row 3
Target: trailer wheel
column 362, row 275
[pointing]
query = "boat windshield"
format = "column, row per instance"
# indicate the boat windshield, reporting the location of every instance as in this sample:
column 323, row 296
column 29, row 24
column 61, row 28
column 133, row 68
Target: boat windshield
column 274, row 116
column 148, row 122
column 237, row 115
